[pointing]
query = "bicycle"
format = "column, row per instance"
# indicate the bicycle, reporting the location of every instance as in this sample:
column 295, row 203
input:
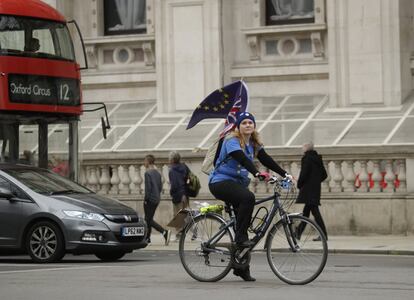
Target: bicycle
column 296, row 247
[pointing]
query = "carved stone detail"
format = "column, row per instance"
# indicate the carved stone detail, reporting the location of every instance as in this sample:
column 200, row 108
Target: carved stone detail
column 149, row 56
column 318, row 49
column 254, row 44
column 91, row 53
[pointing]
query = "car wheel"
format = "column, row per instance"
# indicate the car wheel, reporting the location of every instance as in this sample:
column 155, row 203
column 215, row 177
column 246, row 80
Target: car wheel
column 110, row 255
column 44, row 242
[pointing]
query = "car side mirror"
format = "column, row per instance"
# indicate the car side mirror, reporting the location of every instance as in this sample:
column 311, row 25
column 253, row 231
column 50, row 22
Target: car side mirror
column 6, row 193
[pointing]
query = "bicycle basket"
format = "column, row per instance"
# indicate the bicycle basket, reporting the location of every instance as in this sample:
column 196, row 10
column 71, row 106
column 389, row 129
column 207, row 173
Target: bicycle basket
column 288, row 194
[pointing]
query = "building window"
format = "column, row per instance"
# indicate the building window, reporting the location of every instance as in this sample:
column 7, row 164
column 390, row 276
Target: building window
column 281, row 12
column 124, row 16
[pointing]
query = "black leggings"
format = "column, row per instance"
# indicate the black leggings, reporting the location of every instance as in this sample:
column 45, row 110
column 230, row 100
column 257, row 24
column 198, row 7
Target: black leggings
column 242, row 200
column 317, row 215
column 149, row 210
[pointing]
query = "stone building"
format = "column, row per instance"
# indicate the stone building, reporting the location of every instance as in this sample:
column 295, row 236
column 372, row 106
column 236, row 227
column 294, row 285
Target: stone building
column 337, row 72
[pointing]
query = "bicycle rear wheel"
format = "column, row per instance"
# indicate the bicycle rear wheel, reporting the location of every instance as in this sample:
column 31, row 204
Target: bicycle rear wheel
column 294, row 259
column 206, row 263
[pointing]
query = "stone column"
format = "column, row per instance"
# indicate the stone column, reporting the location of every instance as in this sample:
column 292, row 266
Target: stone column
column 82, row 175
column 160, row 168
column 338, row 177
column 136, row 179
column 125, row 180
column 104, row 180
column 376, row 177
column 389, row 176
column 114, row 180
column 402, row 177
column 325, row 183
column 166, row 184
column 363, row 177
column 350, row 177
column 93, row 179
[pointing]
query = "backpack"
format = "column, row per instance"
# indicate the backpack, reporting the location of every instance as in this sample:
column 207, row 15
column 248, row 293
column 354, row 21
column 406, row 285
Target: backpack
column 212, row 155
column 193, row 185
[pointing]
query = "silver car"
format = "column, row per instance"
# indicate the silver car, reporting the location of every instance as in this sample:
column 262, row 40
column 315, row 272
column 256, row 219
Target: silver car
column 46, row 215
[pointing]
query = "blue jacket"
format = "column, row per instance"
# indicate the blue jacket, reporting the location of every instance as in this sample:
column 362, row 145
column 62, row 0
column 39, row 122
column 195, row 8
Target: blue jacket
column 228, row 168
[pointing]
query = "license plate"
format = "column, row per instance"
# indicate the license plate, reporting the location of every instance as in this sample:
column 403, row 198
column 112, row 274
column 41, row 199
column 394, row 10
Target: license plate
column 133, row 231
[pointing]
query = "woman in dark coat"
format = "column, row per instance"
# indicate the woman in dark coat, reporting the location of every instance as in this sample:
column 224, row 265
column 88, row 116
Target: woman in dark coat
column 312, row 173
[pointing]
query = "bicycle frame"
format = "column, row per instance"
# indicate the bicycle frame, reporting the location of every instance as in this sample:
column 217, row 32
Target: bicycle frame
column 276, row 206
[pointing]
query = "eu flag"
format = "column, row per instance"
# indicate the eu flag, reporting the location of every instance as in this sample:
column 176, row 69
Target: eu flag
column 223, row 103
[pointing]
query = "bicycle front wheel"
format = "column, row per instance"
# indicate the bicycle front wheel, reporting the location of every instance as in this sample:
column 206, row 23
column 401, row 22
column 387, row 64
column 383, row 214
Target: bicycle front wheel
column 202, row 260
column 296, row 252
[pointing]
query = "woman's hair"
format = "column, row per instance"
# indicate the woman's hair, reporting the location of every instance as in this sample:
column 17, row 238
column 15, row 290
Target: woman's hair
column 174, row 157
column 255, row 138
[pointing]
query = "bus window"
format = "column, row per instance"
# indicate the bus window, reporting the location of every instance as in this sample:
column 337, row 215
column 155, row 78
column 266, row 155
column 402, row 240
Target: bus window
column 44, row 38
column 65, row 40
column 19, row 37
column 28, row 142
column 11, row 34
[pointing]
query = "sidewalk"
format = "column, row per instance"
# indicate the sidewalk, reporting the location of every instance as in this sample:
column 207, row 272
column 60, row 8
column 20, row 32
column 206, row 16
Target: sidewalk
column 380, row 244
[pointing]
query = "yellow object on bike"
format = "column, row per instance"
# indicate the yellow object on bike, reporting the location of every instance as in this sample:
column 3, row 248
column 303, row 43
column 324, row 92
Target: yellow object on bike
column 217, row 208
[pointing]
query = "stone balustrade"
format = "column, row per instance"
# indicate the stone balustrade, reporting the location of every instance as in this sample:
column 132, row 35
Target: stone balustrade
column 369, row 190
column 376, row 173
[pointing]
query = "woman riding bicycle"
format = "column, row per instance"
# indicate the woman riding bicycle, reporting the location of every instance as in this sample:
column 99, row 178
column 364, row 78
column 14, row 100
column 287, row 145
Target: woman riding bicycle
column 229, row 180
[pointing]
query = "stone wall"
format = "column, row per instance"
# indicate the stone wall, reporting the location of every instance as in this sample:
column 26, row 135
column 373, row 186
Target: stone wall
column 381, row 205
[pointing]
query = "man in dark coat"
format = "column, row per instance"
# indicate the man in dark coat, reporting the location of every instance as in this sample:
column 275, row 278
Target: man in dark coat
column 153, row 188
column 311, row 175
column 178, row 175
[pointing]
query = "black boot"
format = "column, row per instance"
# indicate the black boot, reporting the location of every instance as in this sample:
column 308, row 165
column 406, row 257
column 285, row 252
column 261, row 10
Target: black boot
column 244, row 274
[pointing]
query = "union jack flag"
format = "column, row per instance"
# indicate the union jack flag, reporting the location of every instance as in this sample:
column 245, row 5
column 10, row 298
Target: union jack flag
column 239, row 106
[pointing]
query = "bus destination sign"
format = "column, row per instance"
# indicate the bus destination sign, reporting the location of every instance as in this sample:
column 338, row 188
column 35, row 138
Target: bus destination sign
column 45, row 90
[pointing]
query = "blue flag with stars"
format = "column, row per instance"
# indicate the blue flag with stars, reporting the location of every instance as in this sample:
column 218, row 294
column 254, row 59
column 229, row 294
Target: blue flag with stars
column 221, row 103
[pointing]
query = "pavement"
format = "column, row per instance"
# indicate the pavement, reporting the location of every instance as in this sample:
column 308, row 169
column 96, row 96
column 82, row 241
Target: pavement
column 377, row 244
column 159, row 275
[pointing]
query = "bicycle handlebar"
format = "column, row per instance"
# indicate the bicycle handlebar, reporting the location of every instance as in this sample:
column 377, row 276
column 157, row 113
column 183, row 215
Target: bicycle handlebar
column 285, row 182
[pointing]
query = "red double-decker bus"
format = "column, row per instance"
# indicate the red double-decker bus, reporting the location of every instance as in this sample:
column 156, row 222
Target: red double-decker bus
column 40, row 90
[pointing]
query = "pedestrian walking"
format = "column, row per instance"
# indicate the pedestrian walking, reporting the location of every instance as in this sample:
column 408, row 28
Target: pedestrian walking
column 153, row 187
column 311, row 175
column 178, row 174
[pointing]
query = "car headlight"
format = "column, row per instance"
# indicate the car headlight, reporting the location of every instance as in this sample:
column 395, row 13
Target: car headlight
column 84, row 215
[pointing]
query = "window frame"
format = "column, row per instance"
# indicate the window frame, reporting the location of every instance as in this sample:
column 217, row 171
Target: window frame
column 107, row 32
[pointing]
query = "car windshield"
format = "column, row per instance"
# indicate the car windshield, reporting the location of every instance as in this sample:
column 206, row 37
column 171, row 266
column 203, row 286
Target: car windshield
column 21, row 36
column 46, row 182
